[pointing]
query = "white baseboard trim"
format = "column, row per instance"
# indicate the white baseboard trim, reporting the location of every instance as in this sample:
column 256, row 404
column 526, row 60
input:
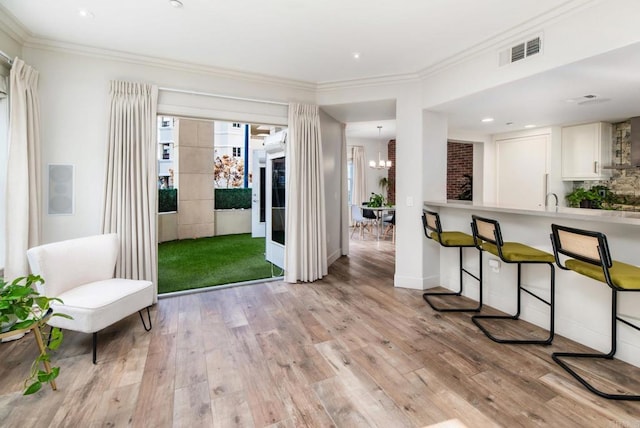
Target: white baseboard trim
column 416, row 283
column 334, row 256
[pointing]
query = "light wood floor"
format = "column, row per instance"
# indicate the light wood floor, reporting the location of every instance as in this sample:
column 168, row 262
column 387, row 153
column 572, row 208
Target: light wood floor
column 347, row 351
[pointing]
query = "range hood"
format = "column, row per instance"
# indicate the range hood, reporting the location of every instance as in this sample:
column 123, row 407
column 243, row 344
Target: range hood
column 635, row 147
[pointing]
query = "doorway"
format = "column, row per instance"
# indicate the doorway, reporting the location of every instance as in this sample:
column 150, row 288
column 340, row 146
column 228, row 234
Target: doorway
column 206, row 222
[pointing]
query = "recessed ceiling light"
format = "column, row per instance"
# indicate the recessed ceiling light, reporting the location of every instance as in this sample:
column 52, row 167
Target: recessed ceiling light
column 487, row 119
column 85, row 13
column 176, row 3
column 529, row 126
column 356, row 55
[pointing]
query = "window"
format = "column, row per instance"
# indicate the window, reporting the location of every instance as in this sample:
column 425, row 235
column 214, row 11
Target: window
column 237, row 151
column 236, row 125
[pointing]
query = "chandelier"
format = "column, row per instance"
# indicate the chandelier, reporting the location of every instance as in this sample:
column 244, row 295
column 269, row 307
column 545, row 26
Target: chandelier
column 381, row 163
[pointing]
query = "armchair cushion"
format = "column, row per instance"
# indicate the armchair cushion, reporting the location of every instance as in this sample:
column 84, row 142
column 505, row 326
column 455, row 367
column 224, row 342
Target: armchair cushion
column 99, row 304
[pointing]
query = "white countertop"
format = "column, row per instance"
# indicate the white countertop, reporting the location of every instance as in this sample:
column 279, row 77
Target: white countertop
column 606, row 216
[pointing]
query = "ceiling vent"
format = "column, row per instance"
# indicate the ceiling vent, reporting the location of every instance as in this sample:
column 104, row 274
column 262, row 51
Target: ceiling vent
column 520, row 51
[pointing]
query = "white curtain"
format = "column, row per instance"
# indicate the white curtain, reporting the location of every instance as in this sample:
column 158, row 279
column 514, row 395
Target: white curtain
column 130, row 196
column 24, row 189
column 359, row 177
column 345, row 211
column 305, row 226
column 3, row 86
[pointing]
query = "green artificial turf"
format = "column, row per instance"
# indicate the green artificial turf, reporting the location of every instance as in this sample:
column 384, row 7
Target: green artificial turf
column 203, row 262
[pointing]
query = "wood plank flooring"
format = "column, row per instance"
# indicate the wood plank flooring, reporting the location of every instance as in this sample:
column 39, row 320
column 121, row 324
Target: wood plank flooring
column 348, row 351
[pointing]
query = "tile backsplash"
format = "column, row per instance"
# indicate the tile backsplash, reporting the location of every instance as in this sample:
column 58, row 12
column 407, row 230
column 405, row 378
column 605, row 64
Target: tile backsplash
column 625, row 181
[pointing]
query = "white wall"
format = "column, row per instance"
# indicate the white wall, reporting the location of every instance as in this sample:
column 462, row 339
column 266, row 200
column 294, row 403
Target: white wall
column 74, row 98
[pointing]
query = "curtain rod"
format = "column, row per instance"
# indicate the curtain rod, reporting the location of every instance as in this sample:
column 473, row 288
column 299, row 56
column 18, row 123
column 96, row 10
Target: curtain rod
column 228, row 97
column 6, row 57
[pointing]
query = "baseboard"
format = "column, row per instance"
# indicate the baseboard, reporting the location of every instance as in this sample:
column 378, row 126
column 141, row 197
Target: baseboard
column 416, row 283
column 334, row 256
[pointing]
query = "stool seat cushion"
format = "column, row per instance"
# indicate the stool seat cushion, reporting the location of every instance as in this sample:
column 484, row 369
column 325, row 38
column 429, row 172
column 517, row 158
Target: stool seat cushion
column 516, row 252
column 453, row 239
column 623, row 275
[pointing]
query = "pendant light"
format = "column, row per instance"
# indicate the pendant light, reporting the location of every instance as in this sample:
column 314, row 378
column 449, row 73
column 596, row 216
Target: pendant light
column 381, row 164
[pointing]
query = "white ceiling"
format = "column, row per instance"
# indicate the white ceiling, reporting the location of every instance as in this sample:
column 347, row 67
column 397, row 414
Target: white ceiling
column 556, row 97
column 314, row 42
column 311, row 41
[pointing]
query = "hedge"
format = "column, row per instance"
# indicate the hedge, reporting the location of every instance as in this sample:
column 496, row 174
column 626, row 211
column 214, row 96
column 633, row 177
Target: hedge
column 167, row 200
column 232, row 198
column 224, row 199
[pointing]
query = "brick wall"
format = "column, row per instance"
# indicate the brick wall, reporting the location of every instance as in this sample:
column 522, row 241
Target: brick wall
column 459, row 162
column 391, row 175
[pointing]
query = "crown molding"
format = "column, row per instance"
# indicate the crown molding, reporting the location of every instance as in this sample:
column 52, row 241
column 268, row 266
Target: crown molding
column 12, row 27
column 515, row 33
column 112, row 55
column 391, row 79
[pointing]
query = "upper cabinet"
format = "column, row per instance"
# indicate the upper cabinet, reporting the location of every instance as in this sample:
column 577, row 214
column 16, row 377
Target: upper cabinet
column 585, row 150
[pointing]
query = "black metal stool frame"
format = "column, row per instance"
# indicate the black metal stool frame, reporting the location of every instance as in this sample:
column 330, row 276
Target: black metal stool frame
column 463, row 270
column 498, row 242
column 606, row 262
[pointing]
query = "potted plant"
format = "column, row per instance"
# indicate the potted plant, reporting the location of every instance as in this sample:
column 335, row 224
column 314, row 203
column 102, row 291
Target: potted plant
column 588, row 198
column 376, row 200
column 22, row 307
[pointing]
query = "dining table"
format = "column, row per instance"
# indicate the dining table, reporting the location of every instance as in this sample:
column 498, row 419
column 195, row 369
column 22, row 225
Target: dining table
column 379, row 211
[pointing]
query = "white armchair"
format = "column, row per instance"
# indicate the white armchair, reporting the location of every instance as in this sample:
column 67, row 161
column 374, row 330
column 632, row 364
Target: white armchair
column 81, row 273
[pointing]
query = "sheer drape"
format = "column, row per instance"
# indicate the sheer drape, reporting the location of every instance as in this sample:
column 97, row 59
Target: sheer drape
column 359, row 177
column 345, row 211
column 131, row 178
column 306, row 247
column 24, row 189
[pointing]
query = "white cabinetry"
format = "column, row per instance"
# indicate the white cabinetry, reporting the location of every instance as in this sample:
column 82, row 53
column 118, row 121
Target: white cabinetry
column 585, row 150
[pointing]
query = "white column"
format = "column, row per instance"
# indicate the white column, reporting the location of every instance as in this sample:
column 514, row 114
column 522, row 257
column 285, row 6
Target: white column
column 421, row 158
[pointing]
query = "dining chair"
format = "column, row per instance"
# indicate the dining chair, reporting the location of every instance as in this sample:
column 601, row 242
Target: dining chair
column 390, row 222
column 359, row 222
column 370, row 215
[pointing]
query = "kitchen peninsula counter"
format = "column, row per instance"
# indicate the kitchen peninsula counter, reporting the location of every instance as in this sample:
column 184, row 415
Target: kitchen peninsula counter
column 582, row 304
column 586, row 214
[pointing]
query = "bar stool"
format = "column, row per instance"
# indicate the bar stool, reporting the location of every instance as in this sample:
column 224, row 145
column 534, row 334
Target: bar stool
column 488, row 237
column 589, row 255
column 433, row 230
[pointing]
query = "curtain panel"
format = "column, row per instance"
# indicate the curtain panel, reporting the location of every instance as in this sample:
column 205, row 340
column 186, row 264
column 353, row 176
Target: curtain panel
column 23, row 219
column 345, row 211
column 359, row 193
column 306, row 247
column 130, row 196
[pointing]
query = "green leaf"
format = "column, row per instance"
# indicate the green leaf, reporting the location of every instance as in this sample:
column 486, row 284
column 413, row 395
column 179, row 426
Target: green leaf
column 57, row 314
column 33, row 388
column 23, row 324
column 56, row 339
column 42, row 302
column 20, row 312
column 45, row 377
column 20, row 292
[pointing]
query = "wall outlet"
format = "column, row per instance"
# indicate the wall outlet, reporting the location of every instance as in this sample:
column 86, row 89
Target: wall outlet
column 494, row 264
column 409, row 201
